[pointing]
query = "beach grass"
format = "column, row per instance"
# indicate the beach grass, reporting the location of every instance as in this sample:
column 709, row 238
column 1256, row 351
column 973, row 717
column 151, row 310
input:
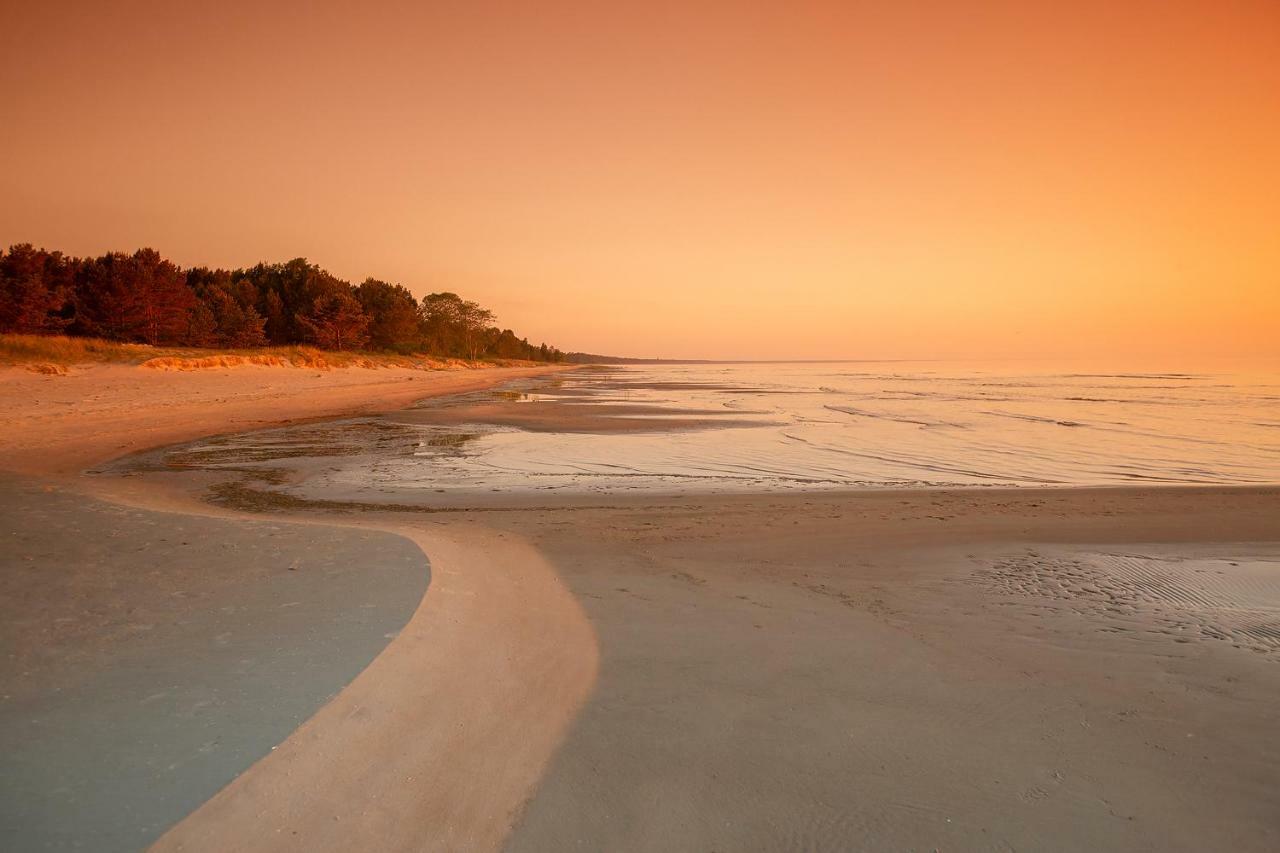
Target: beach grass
column 54, row 354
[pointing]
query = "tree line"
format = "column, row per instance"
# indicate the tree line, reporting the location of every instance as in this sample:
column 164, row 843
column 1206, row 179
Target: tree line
column 144, row 298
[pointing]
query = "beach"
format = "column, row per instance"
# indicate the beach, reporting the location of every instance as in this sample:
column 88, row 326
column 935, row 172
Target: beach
column 703, row 427
column 61, row 425
column 764, row 666
column 448, row 680
column 874, row 673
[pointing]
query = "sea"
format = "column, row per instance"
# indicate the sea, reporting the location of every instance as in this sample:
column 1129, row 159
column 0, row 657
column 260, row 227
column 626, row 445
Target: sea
column 846, row 425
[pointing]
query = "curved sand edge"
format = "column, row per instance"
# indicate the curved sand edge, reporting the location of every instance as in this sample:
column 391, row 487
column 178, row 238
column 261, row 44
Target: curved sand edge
column 439, row 742
column 126, row 711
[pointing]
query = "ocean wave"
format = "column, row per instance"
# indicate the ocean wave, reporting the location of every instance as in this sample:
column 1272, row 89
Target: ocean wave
column 884, row 416
column 1135, row 375
column 1035, row 419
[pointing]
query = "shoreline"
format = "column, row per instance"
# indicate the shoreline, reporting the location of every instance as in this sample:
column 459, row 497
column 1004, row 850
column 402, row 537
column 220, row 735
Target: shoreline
column 471, row 602
column 668, row 603
column 151, row 657
column 234, row 399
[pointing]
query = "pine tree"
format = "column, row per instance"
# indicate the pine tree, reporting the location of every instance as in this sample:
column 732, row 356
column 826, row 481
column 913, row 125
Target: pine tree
column 336, row 322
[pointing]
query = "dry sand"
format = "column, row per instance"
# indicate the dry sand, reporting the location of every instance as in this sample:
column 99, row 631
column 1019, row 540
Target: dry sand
column 971, row 669
column 64, row 424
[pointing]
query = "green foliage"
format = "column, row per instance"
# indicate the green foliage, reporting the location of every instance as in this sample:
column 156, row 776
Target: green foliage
column 336, row 321
column 393, row 314
column 139, row 297
column 34, row 289
column 143, row 298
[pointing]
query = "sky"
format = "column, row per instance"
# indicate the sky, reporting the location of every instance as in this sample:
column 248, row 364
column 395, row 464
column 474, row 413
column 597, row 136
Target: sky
column 693, row 179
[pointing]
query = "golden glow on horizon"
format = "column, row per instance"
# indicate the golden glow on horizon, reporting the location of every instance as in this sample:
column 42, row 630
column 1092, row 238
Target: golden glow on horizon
column 723, row 179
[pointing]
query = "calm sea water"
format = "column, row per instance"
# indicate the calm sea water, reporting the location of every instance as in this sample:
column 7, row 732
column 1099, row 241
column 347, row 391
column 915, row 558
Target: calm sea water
column 821, row 426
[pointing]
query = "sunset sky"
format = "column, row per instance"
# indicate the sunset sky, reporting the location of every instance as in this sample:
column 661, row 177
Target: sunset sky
column 803, row 180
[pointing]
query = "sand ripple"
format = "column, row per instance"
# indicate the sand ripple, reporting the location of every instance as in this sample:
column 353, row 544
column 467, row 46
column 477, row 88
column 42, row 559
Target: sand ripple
column 1190, row 600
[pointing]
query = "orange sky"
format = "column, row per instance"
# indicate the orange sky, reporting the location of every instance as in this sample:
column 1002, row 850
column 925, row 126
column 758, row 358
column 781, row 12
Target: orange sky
column 692, row 179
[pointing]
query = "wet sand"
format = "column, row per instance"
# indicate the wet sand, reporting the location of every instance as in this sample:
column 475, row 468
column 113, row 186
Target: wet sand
column 904, row 669
column 441, row 740
column 60, row 425
column 151, row 657
column 425, row 730
column 568, row 417
column 1053, row 669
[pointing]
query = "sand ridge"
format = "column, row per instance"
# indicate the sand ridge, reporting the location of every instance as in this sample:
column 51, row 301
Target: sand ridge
column 1187, row 598
column 439, row 742
column 152, row 656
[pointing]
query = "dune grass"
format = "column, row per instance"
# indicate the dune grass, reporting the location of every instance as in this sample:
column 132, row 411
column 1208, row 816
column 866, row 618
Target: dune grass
column 55, row 353
column 65, row 351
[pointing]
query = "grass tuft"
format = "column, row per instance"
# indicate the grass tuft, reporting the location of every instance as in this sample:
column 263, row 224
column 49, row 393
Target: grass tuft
column 53, row 354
